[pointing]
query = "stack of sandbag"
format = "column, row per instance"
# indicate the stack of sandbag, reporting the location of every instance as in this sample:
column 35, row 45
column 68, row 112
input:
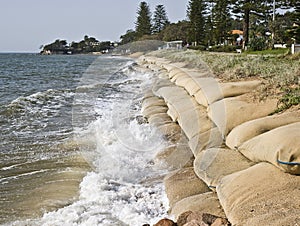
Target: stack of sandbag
column 183, row 184
column 261, row 195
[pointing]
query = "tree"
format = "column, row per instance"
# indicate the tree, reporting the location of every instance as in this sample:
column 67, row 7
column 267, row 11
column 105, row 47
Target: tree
column 143, row 23
column 294, row 31
column 196, row 14
column 160, row 19
column 58, row 46
column 221, row 20
column 176, row 31
column 130, row 36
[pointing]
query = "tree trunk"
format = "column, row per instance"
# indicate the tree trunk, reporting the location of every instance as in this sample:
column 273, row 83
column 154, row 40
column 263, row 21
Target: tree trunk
column 246, row 27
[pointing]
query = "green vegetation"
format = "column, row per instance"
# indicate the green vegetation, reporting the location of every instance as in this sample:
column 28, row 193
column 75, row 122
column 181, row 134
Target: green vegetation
column 87, row 45
column 212, row 24
column 280, row 73
column 160, row 19
column 143, row 23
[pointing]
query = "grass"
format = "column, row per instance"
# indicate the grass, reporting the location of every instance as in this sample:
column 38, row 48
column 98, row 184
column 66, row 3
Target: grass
column 281, row 51
column 279, row 71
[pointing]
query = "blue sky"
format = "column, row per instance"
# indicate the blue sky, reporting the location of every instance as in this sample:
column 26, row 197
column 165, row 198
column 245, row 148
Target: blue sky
column 27, row 24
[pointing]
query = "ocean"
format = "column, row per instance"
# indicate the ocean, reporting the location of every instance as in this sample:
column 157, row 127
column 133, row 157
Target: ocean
column 74, row 148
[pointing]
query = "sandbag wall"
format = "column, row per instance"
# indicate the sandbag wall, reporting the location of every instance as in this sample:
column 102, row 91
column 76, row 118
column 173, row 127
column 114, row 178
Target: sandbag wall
column 245, row 162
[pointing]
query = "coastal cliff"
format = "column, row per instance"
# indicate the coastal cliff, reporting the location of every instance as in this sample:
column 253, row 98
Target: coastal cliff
column 230, row 156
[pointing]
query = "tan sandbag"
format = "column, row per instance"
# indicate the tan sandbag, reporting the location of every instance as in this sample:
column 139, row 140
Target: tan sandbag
column 193, row 121
column 182, row 80
column 160, row 83
column 171, row 131
column 183, row 183
column 174, row 157
column 168, row 67
column 154, row 110
column 209, row 91
column 280, row 146
column 177, row 101
column 211, row 165
column 209, row 139
column 231, row 112
column 191, row 87
column 206, row 203
column 201, row 98
column 163, row 75
column 159, row 119
column 250, row 129
column 171, row 93
column 152, row 101
column 212, row 90
column 232, row 89
column 154, row 67
column 261, row 195
column 172, row 112
column 177, row 76
column 175, row 72
column 148, row 93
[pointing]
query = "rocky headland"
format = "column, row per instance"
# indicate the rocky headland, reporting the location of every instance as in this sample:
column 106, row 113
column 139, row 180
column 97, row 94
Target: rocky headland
column 232, row 159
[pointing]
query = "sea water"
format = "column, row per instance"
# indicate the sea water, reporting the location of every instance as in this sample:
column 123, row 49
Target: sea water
column 74, row 148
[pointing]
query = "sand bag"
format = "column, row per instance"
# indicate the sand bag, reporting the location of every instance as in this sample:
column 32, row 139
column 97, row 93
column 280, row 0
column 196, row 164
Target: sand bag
column 159, row 119
column 191, row 87
column 170, row 131
column 209, row 89
column 182, row 80
column 160, row 83
column 183, row 183
column 206, row 203
column 231, row 112
column 178, row 76
column 154, row 110
column 280, row 146
column 172, row 113
column 194, row 121
column 250, row 129
column 174, row 157
column 232, row 89
column 261, row 195
column 152, row 101
column 174, row 72
column 172, row 93
column 154, row 67
column 209, row 139
column 211, row 165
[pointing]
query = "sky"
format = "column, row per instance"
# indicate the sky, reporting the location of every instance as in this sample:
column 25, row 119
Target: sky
column 25, row 25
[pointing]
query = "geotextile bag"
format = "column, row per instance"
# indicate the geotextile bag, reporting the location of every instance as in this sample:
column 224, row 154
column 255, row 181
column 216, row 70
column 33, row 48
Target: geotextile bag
column 206, row 203
column 250, row 129
column 193, row 121
column 280, row 146
column 211, row 138
column 231, row 112
column 260, row 195
column 183, row 183
column 152, row 110
column 159, row 119
column 211, row 165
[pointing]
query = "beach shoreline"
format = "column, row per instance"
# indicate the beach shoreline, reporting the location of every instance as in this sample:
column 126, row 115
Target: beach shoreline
column 212, row 124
